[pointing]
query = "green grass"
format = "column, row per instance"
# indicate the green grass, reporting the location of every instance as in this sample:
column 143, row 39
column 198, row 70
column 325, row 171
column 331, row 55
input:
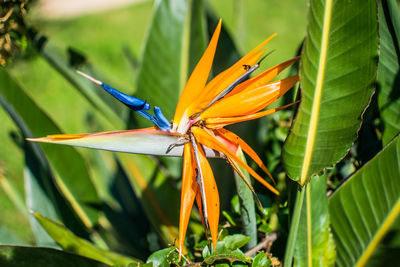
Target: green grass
column 101, row 38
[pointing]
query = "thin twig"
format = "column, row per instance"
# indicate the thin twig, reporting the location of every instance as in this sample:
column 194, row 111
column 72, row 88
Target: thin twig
column 7, row 15
column 264, row 244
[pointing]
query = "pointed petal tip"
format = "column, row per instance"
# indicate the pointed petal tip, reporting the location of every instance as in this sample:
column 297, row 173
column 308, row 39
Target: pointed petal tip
column 90, row 78
column 198, row 78
column 39, row 139
column 219, row 22
column 56, row 137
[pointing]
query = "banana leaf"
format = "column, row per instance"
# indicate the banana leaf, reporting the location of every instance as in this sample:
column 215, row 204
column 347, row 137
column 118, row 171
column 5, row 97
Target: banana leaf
column 338, row 71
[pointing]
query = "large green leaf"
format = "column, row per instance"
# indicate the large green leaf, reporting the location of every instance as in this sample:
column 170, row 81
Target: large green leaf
column 41, row 190
column 311, row 239
column 12, row 256
column 70, row 242
column 365, row 206
column 389, row 68
column 338, row 69
column 74, row 180
column 163, row 72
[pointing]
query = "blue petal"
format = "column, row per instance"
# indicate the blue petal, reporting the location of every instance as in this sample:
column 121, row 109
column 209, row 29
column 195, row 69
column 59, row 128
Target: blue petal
column 162, row 122
column 131, row 101
column 138, row 105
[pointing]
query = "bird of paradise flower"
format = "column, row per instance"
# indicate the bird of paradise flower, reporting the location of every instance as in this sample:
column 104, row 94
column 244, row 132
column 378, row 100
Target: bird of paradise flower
column 196, row 131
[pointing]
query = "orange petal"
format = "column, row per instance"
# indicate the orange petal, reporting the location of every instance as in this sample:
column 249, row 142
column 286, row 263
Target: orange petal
column 188, row 192
column 217, row 123
column 200, row 208
column 249, row 101
column 245, row 147
column 227, row 77
column 212, row 196
column 198, row 78
column 210, row 141
column 264, row 77
column 221, row 81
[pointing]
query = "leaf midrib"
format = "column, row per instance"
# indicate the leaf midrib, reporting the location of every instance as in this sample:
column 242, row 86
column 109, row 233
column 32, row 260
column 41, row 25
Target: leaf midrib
column 379, row 234
column 317, row 93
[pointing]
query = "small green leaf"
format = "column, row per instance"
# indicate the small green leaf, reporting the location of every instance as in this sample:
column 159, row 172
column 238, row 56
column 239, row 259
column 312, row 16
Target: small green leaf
column 164, row 257
column 223, row 253
column 206, row 252
column 70, row 242
column 229, row 217
column 231, row 256
column 261, row 260
column 236, row 241
column 235, row 204
column 12, row 256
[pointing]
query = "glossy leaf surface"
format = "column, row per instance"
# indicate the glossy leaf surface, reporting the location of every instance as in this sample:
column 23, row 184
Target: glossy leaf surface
column 365, row 206
column 261, row 260
column 164, row 257
column 223, row 253
column 338, row 69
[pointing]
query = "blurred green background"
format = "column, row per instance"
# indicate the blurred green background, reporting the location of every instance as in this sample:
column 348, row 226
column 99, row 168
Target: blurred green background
column 106, row 38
